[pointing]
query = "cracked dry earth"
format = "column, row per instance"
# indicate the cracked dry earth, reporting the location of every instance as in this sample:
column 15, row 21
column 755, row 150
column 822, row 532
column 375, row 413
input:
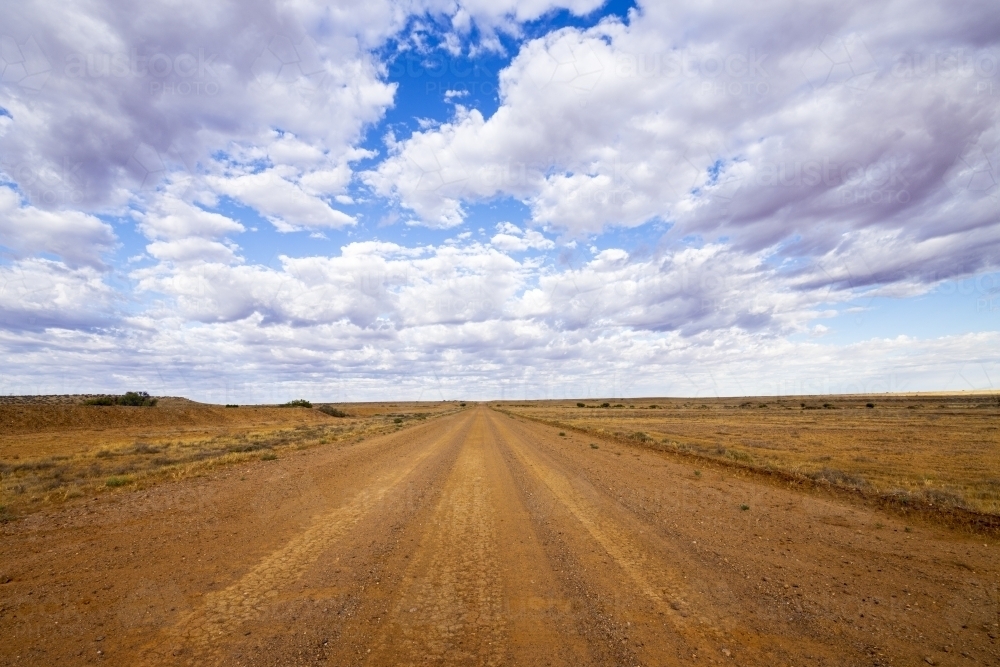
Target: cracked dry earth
column 479, row 539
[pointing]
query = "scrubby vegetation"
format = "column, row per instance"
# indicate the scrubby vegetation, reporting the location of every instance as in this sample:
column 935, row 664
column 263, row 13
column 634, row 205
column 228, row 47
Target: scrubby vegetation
column 129, row 398
column 97, row 460
column 934, row 451
column 297, row 403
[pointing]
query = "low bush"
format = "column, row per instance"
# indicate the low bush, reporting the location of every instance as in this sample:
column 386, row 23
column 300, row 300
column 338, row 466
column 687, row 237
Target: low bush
column 136, row 399
column 101, row 400
column 115, row 482
column 129, row 398
column 943, row 498
column 839, row 477
column 581, row 405
column 297, row 403
column 333, row 412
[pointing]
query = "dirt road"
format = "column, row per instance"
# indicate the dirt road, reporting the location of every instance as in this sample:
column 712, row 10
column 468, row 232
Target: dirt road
column 480, row 539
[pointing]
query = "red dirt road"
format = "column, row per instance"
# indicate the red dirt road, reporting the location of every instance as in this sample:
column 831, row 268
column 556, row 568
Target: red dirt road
column 480, row 539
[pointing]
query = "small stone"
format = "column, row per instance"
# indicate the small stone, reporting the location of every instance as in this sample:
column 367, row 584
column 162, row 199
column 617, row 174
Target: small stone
column 726, row 652
column 929, row 660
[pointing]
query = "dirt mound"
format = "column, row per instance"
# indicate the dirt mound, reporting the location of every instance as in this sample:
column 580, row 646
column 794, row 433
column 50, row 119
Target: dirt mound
column 28, row 418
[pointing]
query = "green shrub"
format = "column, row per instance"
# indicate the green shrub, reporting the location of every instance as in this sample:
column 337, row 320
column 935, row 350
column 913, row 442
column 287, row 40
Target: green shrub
column 397, row 420
column 268, row 456
column 115, row 482
column 231, row 405
column 101, row 400
column 297, row 403
column 605, row 405
column 129, row 398
column 581, row 405
column 333, row 412
column 136, row 399
column 869, row 405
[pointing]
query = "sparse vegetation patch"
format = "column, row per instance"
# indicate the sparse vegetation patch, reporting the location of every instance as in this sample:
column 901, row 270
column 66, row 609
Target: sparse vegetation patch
column 913, row 452
column 129, row 398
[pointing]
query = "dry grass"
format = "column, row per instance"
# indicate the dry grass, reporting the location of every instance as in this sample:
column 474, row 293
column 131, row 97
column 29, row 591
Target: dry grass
column 939, row 450
column 52, row 452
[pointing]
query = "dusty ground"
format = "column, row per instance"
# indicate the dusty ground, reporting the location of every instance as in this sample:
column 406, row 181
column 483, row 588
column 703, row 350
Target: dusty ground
column 478, row 538
column 54, row 450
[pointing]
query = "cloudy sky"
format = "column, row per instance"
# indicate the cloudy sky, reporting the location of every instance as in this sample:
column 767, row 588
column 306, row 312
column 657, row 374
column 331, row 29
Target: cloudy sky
column 251, row 201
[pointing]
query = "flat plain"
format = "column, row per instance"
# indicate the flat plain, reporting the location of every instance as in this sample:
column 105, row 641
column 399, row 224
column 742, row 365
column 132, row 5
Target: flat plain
column 512, row 533
column 941, row 450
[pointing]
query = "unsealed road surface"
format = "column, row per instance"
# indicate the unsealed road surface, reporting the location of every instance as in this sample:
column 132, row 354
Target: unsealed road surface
column 479, row 539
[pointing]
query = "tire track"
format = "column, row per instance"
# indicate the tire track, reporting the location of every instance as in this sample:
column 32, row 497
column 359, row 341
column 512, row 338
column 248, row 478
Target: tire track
column 224, row 611
column 451, row 611
column 649, row 572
